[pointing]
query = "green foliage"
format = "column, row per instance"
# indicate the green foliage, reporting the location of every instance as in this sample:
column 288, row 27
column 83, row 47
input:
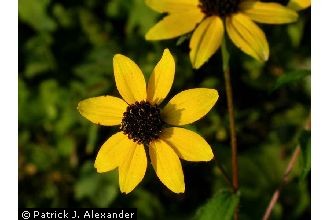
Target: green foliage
column 100, row 190
column 140, row 17
column 40, row 59
column 295, row 31
column 35, row 14
column 305, row 146
column 221, row 206
column 147, row 204
column 65, row 55
column 291, row 77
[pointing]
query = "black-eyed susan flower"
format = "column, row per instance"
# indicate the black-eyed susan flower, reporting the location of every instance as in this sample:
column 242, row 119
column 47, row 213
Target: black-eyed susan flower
column 143, row 124
column 211, row 18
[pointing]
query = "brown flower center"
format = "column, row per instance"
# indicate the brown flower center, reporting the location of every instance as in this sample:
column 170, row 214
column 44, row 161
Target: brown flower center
column 220, row 8
column 142, row 122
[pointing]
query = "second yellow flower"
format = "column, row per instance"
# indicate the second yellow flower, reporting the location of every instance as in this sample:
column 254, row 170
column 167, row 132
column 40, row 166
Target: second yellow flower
column 211, row 17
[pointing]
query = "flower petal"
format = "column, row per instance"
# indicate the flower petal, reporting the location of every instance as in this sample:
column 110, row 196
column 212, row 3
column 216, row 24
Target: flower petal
column 189, row 106
column 103, row 110
column 269, row 13
column 205, row 40
column 172, row 5
column 299, row 4
column 187, row 144
column 133, row 168
column 167, row 166
column 174, row 25
column 161, row 79
column 247, row 36
column 129, row 79
column 113, row 152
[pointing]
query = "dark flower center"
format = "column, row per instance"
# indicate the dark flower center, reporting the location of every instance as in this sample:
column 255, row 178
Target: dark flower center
column 141, row 122
column 221, row 8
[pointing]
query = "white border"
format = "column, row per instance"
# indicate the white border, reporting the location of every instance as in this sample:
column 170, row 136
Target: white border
column 9, row 110
column 320, row 109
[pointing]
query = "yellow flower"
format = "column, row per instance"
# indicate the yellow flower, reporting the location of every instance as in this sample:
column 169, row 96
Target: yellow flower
column 211, row 17
column 143, row 123
column 299, row 4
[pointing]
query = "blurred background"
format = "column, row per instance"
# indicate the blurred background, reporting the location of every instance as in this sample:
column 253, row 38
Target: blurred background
column 65, row 55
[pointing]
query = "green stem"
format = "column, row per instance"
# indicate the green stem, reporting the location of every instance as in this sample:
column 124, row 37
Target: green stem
column 230, row 107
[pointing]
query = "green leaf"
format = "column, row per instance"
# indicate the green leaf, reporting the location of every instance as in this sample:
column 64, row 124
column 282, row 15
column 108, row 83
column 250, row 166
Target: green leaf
column 38, row 55
column 49, row 98
column 290, row 77
column 305, row 146
column 147, row 203
column 221, row 206
column 65, row 146
column 141, row 17
column 118, row 8
column 35, row 14
column 91, row 140
column 100, row 189
column 296, row 31
column 92, row 27
column 63, row 15
column 42, row 156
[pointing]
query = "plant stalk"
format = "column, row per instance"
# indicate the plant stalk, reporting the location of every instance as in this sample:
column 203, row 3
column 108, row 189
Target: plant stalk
column 233, row 139
column 285, row 178
column 232, row 128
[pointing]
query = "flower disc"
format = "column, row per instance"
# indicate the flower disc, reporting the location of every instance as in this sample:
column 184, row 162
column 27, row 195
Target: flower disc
column 221, row 8
column 142, row 122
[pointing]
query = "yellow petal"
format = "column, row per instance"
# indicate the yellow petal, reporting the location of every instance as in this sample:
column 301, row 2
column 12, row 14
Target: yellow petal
column 133, row 168
column 129, row 79
column 205, row 40
column 189, row 106
column 299, row 4
column 161, row 79
column 247, row 36
column 174, row 25
column 172, row 5
column 187, row 144
column 167, row 166
column 103, row 110
column 113, row 152
column 269, row 13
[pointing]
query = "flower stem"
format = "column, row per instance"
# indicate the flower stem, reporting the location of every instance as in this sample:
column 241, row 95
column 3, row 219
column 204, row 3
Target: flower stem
column 230, row 107
column 233, row 140
column 285, row 178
